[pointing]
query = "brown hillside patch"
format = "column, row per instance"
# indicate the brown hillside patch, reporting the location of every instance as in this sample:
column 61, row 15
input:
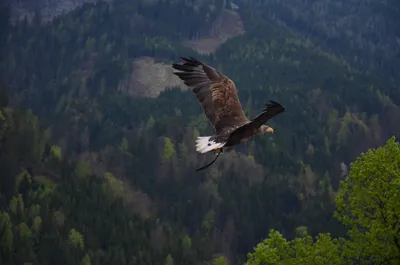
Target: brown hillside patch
column 148, row 78
column 227, row 26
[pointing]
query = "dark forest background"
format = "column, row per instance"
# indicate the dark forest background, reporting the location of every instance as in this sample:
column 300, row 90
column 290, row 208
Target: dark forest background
column 93, row 175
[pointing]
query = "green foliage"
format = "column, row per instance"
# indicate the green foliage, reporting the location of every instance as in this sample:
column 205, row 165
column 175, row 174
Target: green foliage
column 24, row 232
column 113, row 185
column 368, row 203
column 150, row 123
column 124, row 145
column 186, row 243
column 6, row 238
column 75, row 239
column 355, row 38
column 304, row 250
column 36, row 225
column 83, row 169
column 301, row 231
column 169, row 150
column 169, row 260
column 86, row 260
column 209, row 220
column 56, row 152
column 221, row 260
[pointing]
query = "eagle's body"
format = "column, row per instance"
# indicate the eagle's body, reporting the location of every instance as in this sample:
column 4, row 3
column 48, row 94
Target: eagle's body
column 218, row 96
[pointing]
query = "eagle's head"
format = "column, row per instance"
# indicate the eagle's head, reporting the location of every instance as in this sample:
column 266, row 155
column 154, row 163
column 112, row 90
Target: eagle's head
column 266, row 129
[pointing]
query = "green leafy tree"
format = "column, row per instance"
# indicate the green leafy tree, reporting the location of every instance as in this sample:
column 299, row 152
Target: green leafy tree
column 75, row 239
column 368, row 203
column 55, row 152
column 24, row 231
column 124, row 145
column 36, row 225
column 6, row 237
column 304, row 250
column 169, row 150
column 86, row 260
column 186, row 243
column 169, row 260
column 113, row 185
column 220, row 260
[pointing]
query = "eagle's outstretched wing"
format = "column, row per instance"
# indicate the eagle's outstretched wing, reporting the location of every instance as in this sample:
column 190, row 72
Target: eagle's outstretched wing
column 270, row 110
column 216, row 93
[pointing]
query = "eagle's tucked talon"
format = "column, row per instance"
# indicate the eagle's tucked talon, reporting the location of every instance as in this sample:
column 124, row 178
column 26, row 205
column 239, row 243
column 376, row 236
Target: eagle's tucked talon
column 217, row 150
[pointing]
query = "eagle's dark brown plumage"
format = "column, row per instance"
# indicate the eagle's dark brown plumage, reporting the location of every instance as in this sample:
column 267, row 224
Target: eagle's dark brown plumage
column 219, row 99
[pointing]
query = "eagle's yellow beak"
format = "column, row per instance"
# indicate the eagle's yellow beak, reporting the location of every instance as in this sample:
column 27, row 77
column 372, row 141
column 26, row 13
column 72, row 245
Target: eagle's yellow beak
column 270, row 130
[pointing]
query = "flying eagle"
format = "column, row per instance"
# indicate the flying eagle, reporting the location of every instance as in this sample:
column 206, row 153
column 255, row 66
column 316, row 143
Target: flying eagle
column 219, row 98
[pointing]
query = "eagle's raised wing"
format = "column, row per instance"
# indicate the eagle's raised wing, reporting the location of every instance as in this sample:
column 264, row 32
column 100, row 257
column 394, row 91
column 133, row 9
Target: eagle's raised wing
column 270, row 110
column 216, row 93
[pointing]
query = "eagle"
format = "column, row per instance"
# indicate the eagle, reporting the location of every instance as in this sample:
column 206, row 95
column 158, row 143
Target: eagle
column 219, row 99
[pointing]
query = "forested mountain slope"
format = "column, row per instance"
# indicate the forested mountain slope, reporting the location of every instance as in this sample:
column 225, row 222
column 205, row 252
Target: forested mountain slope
column 365, row 33
column 49, row 9
column 68, row 73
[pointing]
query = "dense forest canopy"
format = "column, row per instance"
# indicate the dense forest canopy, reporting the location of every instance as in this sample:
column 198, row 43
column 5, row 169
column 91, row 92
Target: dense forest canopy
column 93, row 175
column 368, row 204
column 364, row 33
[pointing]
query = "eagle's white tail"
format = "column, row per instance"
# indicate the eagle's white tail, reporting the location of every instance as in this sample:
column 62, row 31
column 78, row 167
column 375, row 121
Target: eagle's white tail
column 204, row 144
